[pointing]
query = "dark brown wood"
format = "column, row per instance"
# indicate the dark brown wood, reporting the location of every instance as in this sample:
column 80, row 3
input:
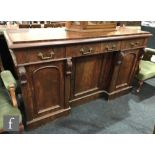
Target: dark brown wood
column 133, row 43
column 50, row 117
column 83, row 49
column 24, row 25
column 86, row 76
column 48, row 25
column 36, row 26
column 29, row 55
column 48, row 93
column 59, row 69
column 68, row 71
column 46, row 89
column 86, row 98
column 124, row 69
column 117, row 93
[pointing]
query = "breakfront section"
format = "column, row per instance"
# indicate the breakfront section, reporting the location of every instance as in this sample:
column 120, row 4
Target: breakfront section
column 85, row 77
column 87, row 71
column 43, row 79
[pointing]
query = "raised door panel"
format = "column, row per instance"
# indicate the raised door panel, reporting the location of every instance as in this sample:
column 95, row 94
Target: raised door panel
column 48, row 88
column 86, row 75
column 126, row 69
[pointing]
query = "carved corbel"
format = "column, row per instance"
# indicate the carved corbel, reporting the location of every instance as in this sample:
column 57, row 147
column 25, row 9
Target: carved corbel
column 68, row 81
column 120, row 58
column 69, row 67
column 22, row 75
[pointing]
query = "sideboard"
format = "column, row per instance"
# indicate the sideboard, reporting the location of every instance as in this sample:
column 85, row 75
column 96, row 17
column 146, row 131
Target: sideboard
column 58, row 69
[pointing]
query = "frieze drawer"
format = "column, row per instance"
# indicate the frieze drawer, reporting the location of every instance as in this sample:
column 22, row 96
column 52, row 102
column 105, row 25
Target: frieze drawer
column 83, row 49
column 111, row 46
column 29, row 55
column 132, row 43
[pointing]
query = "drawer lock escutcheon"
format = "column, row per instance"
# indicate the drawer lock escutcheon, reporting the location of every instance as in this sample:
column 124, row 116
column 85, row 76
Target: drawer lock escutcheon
column 42, row 57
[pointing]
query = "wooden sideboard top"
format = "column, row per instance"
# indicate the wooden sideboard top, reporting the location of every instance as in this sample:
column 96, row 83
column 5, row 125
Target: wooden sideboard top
column 19, row 38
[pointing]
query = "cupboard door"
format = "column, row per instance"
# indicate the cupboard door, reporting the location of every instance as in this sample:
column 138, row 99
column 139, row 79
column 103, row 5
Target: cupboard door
column 124, row 69
column 86, row 75
column 47, row 87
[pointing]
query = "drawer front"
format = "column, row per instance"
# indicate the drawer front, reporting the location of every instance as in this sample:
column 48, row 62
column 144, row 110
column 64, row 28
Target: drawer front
column 83, row 49
column 132, row 43
column 111, row 46
column 39, row 54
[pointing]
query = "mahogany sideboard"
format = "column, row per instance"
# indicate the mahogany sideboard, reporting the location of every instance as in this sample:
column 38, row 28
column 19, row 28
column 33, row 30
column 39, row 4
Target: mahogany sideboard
column 58, row 69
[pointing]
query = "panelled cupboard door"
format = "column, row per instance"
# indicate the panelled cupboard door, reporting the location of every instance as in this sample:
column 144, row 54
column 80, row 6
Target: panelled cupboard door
column 124, row 71
column 47, row 81
column 86, row 75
